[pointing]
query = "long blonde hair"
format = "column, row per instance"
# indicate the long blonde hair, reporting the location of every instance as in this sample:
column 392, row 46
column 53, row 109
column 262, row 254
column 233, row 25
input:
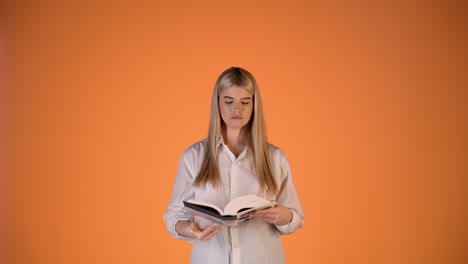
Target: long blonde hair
column 209, row 171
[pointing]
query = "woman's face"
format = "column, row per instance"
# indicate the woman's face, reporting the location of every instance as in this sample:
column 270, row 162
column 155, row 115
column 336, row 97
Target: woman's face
column 235, row 105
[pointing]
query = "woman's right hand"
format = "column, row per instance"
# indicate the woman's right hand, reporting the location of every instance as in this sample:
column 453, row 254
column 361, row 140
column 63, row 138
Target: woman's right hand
column 192, row 230
column 204, row 234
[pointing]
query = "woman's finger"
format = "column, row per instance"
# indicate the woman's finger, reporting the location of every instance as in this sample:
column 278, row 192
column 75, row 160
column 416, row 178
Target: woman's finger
column 209, row 232
column 195, row 228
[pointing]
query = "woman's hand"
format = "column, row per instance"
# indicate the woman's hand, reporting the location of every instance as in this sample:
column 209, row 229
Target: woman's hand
column 204, row 234
column 192, row 230
column 278, row 215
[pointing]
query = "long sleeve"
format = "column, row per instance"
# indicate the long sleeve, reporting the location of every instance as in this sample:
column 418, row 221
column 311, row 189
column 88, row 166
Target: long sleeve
column 288, row 197
column 182, row 190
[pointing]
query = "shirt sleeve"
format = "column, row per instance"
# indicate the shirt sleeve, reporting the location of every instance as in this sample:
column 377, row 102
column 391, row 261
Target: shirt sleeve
column 287, row 197
column 182, row 190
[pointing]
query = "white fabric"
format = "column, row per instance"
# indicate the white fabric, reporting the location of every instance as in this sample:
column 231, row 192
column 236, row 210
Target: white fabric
column 253, row 241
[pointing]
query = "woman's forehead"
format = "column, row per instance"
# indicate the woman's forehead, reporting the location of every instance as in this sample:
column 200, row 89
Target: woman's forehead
column 235, row 91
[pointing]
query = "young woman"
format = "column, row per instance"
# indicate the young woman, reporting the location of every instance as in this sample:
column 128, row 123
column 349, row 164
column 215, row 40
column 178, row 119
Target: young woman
column 235, row 160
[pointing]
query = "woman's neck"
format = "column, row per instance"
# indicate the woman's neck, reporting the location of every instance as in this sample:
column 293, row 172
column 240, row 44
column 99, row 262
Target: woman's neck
column 236, row 140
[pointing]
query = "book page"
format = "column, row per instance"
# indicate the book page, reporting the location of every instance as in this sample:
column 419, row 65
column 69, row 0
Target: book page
column 246, row 201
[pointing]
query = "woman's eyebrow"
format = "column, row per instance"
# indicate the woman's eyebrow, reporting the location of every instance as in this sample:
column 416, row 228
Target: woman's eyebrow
column 229, row 97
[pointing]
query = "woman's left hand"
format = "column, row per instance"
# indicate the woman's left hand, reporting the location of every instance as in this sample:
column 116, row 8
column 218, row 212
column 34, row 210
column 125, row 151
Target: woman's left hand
column 278, row 215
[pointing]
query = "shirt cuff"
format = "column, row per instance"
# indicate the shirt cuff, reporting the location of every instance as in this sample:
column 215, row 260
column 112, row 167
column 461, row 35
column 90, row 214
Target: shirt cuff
column 176, row 235
column 291, row 226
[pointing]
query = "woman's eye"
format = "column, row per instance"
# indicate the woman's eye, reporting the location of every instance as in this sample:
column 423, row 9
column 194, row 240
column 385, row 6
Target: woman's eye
column 245, row 103
column 228, row 102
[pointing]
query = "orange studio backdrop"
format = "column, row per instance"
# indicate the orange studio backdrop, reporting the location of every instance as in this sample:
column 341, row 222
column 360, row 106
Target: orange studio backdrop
column 368, row 99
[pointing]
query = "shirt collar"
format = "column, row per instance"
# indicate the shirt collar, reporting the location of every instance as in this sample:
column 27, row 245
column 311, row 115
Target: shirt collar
column 220, row 141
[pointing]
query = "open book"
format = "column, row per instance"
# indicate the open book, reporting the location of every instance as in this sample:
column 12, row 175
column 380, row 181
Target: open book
column 237, row 210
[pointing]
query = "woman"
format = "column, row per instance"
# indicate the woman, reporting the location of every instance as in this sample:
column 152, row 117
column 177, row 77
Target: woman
column 235, row 160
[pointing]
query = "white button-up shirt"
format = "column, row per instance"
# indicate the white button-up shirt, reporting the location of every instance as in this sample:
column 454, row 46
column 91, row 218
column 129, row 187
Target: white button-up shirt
column 253, row 241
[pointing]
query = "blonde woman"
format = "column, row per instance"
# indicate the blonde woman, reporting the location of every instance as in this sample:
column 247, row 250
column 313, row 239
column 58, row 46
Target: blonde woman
column 236, row 159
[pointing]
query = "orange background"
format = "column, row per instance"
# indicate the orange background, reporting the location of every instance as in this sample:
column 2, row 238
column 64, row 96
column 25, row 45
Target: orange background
column 368, row 99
